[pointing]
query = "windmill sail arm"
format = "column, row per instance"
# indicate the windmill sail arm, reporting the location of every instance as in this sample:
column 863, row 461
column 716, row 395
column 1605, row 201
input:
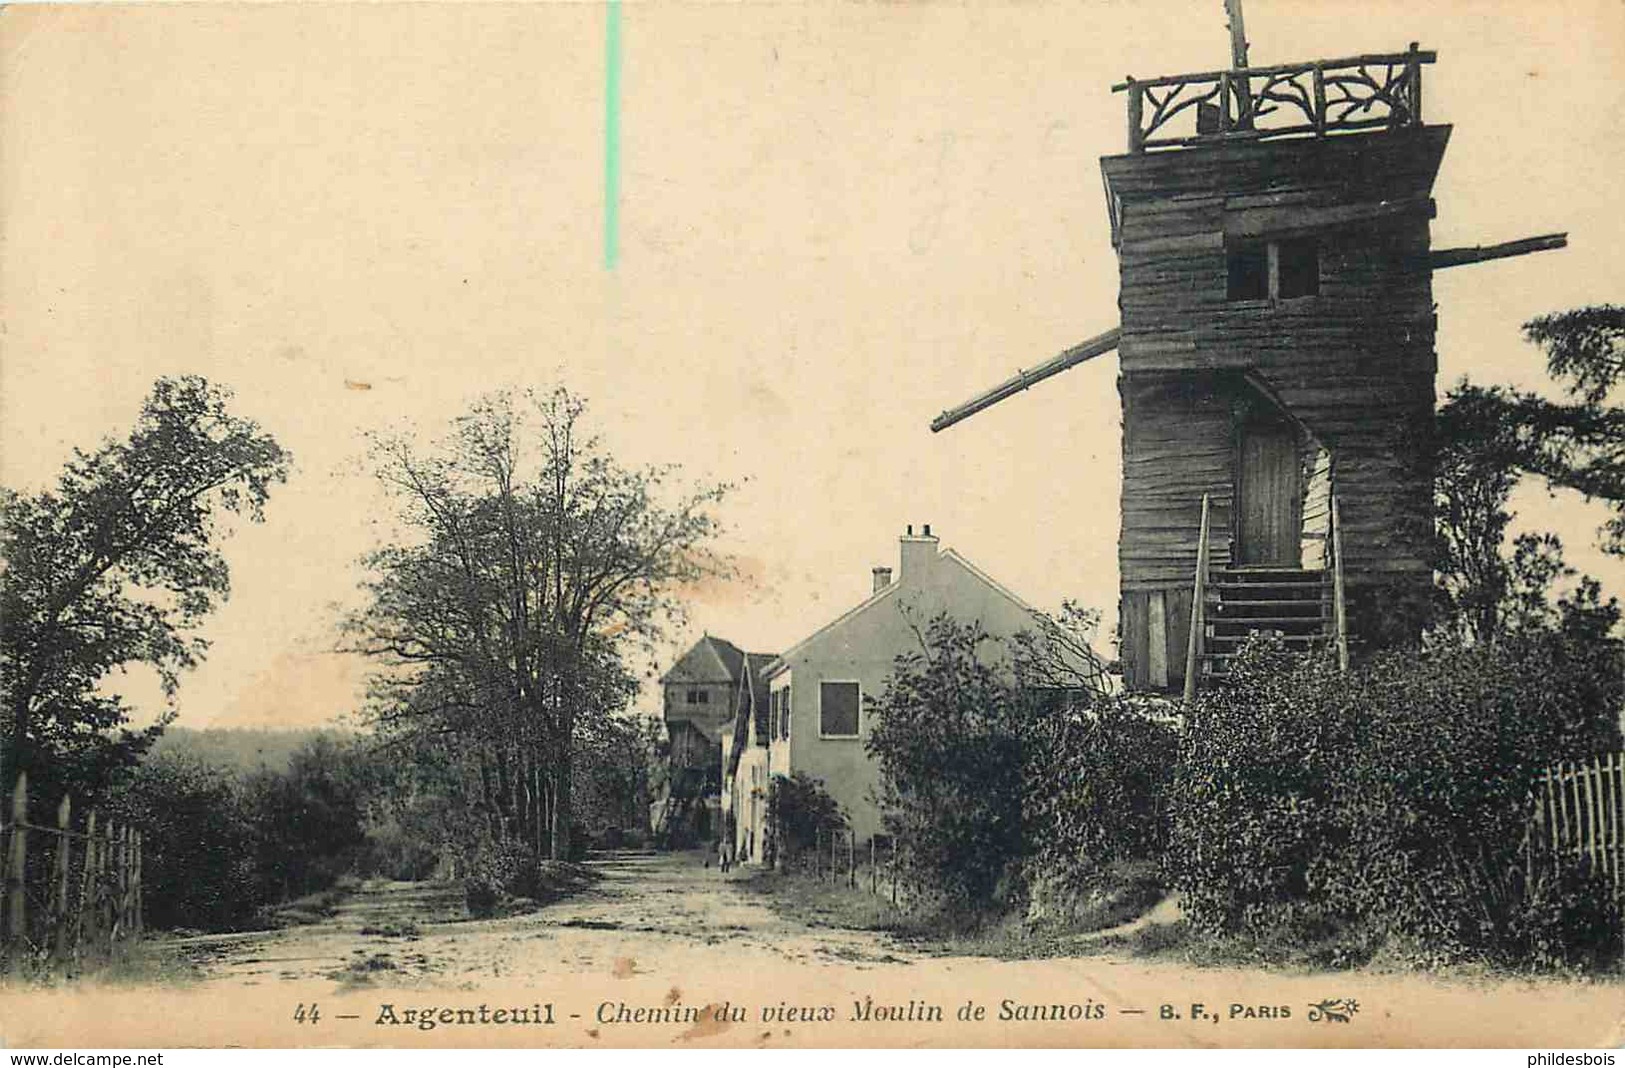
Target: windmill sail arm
column 1455, row 257
column 1087, row 350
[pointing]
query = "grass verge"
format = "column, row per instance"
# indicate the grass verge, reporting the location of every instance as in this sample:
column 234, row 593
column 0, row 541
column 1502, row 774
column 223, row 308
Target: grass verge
column 928, row 927
column 312, row 908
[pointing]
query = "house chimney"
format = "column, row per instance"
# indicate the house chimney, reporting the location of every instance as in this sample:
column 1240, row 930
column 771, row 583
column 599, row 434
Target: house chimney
column 882, row 578
column 918, row 556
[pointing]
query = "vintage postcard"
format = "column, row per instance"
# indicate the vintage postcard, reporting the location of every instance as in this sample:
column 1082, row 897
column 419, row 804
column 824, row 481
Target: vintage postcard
column 662, row 524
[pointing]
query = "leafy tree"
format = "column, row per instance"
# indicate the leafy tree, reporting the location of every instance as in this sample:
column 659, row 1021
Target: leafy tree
column 1095, row 791
column 1058, row 653
column 1585, row 346
column 948, row 736
column 198, row 843
column 310, row 820
column 219, row 844
column 799, row 813
column 536, row 559
column 1490, row 437
column 117, row 565
column 614, row 758
column 421, row 811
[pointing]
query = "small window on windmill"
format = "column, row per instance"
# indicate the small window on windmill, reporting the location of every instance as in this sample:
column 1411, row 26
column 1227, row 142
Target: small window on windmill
column 1273, row 270
column 1298, row 270
column 1249, row 272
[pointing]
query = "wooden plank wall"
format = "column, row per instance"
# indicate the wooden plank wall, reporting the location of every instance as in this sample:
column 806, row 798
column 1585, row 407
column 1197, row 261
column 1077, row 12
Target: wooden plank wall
column 1178, row 443
column 1354, row 364
column 1139, row 616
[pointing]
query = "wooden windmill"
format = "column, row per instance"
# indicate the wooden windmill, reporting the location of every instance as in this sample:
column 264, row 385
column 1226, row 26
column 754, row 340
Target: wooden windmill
column 1276, row 357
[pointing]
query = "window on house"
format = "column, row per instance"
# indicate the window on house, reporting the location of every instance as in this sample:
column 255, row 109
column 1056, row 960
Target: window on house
column 838, row 709
column 1273, row 270
column 784, row 713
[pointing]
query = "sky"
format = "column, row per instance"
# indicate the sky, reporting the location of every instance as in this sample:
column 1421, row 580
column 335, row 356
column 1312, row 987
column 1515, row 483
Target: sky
column 835, row 221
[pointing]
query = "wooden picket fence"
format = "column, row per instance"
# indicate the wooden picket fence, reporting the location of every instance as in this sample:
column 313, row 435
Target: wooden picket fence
column 1580, row 814
column 78, row 892
column 837, row 858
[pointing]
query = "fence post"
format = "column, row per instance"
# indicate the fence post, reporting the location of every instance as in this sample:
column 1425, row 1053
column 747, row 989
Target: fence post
column 64, row 865
column 17, row 866
column 138, row 924
column 1339, row 612
column 105, row 857
column 852, row 859
column 121, row 900
column 1594, row 813
column 894, row 872
column 1616, row 819
column 834, row 861
column 1562, row 812
column 1552, row 816
column 115, row 885
column 1533, row 822
column 84, row 928
column 874, row 875
column 1574, row 814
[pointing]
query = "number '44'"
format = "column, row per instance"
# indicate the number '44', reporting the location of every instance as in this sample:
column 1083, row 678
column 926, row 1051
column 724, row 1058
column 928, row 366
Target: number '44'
column 304, row 1015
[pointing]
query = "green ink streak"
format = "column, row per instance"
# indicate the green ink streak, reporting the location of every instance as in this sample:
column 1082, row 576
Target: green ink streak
column 612, row 133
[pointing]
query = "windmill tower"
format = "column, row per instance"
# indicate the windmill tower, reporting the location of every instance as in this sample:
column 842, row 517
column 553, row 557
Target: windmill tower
column 1276, row 358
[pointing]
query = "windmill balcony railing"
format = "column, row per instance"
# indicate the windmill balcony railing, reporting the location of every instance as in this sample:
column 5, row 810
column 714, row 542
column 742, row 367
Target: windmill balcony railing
column 1321, row 97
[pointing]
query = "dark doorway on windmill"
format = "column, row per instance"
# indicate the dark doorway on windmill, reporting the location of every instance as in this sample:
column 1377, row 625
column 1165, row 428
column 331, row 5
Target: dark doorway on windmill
column 1268, row 492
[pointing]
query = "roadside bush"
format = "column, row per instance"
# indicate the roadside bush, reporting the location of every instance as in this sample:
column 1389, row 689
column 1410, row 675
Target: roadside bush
column 1096, row 796
column 948, row 735
column 198, row 842
column 398, row 850
column 497, row 871
column 1251, row 799
column 1568, row 919
column 1392, row 801
column 310, row 820
column 799, row 813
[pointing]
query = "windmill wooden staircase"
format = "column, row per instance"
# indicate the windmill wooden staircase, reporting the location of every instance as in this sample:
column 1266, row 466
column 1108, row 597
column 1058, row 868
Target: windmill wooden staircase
column 1304, row 607
column 1291, row 603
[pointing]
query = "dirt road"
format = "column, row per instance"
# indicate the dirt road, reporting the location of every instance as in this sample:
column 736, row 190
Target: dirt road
column 660, row 913
column 663, row 951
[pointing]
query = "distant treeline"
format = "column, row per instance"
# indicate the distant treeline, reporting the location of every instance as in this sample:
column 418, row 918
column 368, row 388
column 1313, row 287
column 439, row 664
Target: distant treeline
column 242, row 822
column 241, row 749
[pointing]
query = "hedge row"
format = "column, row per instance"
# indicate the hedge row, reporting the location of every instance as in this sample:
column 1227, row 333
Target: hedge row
column 1392, row 802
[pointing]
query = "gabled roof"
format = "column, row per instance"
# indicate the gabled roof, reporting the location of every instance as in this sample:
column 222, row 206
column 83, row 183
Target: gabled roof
column 711, row 659
column 756, row 664
column 753, row 704
column 891, row 588
column 952, row 555
column 874, row 598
